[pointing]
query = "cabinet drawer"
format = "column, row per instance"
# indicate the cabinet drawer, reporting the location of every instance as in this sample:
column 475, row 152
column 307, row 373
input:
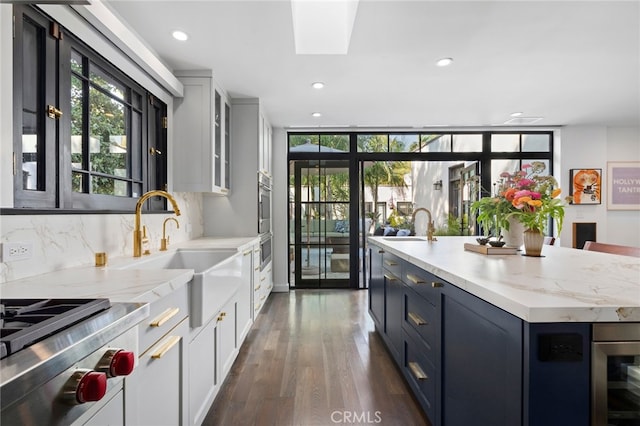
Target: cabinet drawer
column 165, row 314
column 420, row 374
column 424, row 283
column 421, row 317
column 392, row 263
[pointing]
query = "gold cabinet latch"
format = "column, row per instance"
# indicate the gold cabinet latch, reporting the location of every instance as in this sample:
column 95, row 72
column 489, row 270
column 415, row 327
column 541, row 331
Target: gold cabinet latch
column 53, row 112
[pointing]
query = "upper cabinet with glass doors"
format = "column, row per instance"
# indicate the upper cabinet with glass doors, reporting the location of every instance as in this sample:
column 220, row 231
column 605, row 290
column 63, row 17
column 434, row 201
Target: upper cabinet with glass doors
column 201, row 143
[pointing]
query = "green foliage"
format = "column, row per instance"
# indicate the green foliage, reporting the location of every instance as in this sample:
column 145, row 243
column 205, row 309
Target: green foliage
column 107, row 118
column 453, row 227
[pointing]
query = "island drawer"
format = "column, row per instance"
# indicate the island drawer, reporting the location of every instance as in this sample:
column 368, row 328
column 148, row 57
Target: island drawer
column 392, row 263
column 421, row 318
column 424, row 283
column 165, row 314
column 421, row 375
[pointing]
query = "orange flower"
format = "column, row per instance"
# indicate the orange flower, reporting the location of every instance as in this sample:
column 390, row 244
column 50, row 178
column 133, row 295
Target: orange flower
column 535, row 203
column 556, row 192
column 509, row 194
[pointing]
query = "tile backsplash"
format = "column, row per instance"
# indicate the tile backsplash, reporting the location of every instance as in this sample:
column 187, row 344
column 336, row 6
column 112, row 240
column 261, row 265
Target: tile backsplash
column 63, row 241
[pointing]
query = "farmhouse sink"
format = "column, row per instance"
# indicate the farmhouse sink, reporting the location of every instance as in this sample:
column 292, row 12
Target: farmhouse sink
column 198, row 260
column 217, row 276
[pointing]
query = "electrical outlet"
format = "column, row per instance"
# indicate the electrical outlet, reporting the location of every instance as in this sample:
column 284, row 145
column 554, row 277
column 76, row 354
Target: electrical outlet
column 16, row 251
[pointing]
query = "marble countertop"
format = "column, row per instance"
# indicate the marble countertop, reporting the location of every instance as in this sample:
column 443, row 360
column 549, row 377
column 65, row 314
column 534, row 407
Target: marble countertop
column 566, row 285
column 118, row 285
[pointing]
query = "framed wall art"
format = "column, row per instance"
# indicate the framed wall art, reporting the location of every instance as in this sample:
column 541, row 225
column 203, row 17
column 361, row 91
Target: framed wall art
column 586, row 186
column 623, row 185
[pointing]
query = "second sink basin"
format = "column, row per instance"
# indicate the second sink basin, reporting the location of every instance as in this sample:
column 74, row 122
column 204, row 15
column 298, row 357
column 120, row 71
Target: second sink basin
column 404, row 239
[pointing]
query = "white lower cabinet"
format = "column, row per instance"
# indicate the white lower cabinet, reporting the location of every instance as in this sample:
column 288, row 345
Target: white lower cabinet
column 245, row 293
column 262, row 289
column 155, row 392
column 203, row 379
column 155, row 395
column 112, row 413
column 212, row 351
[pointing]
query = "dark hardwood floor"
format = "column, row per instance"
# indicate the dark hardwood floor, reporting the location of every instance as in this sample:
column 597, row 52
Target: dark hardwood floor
column 313, row 358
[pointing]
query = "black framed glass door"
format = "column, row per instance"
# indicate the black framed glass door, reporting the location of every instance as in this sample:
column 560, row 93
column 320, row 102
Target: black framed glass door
column 319, row 214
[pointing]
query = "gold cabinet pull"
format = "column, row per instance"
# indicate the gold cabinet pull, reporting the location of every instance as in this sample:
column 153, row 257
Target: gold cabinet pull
column 257, row 287
column 164, row 317
column 171, row 342
column 436, row 284
column 257, row 268
column 417, row 320
column 268, row 270
column 263, row 278
column 415, row 279
column 154, row 151
column 417, row 371
column 390, row 277
column 256, row 251
column 390, row 263
column 246, row 253
column 262, row 298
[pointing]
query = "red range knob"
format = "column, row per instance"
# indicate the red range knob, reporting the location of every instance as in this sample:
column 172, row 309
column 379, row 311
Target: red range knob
column 92, row 387
column 122, row 363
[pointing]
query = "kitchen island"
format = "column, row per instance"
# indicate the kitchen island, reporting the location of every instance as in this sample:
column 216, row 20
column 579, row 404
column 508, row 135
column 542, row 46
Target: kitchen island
column 499, row 339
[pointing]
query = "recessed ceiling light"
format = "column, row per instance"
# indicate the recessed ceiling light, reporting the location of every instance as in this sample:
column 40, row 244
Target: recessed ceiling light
column 516, row 114
column 316, row 114
column 317, row 85
column 180, row 35
column 444, row 62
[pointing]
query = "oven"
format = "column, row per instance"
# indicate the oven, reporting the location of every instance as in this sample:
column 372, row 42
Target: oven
column 265, row 250
column 615, row 374
column 264, row 203
column 64, row 360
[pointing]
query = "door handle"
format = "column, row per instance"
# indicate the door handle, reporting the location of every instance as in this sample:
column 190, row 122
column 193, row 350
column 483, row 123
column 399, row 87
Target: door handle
column 53, row 112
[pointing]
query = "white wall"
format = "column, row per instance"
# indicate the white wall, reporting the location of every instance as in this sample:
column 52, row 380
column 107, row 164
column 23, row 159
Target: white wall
column 591, row 147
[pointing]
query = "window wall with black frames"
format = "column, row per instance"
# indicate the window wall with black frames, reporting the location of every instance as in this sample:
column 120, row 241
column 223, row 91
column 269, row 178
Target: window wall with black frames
column 87, row 137
column 345, row 187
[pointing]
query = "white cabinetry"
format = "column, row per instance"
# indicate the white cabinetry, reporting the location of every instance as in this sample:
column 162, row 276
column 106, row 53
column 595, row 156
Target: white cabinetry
column 264, row 144
column 237, row 215
column 201, row 135
column 155, row 391
column 263, row 289
column 244, row 316
column 212, row 351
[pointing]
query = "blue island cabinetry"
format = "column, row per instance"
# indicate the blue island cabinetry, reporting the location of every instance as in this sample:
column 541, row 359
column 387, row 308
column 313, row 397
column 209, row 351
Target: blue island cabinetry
column 469, row 362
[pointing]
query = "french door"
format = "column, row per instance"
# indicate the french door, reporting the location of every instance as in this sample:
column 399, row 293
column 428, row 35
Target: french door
column 320, row 224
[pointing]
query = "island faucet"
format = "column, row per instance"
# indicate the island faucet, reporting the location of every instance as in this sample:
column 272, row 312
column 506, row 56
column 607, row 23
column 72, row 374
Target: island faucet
column 137, row 232
column 430, row 227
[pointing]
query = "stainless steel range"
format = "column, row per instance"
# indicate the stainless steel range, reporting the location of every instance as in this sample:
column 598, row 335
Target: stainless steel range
column 63, row 360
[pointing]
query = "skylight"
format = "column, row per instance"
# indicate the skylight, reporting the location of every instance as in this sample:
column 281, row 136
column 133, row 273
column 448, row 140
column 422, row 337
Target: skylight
column 323, row 27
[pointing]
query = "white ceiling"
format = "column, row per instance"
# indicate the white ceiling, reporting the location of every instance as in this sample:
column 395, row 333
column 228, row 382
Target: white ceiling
column 571, row 63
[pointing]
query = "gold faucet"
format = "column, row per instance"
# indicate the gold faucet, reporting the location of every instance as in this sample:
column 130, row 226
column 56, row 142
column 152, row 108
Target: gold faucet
column 137, row 232
column 164, row 242
column 430, row 227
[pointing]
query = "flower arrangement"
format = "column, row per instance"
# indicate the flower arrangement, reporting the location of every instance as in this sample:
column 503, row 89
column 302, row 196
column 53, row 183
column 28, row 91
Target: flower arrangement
column 524, row 195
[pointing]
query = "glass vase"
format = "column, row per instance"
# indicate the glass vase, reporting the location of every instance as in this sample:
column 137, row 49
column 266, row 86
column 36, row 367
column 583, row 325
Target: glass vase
column 533, row 241
column 514, row 236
